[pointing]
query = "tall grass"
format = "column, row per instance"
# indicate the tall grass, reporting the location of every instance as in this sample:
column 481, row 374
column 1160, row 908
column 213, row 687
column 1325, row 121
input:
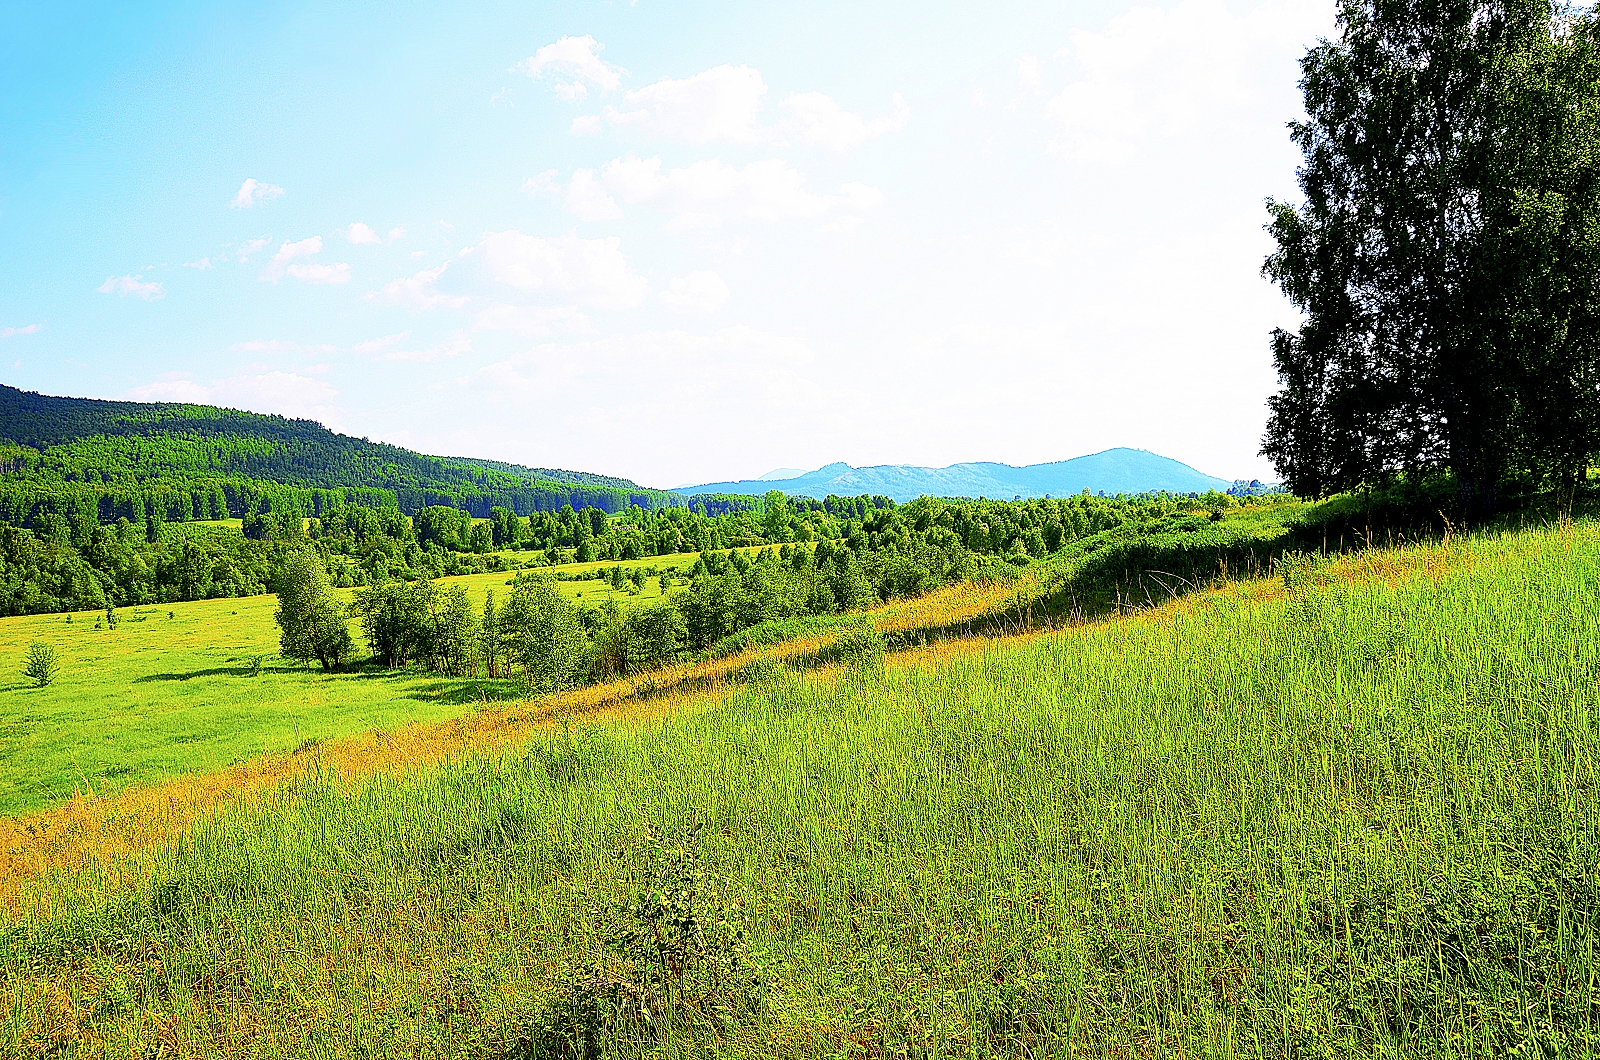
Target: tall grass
column 1352, row 816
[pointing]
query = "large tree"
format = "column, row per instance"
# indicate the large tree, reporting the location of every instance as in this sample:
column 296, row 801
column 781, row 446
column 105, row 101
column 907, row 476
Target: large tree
column 310, row 620
column 1444, row 256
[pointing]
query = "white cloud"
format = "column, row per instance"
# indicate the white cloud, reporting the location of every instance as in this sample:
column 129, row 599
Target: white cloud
column 418, row 292
column 723, row 103
column 363, row 235
column 707, row 193
column 126, row 285
column 279, row 346
column 590, row 272
column 283, row 393
column 378, row 345
column 251, row 247
column 320, row 273
column 454, row 346
column 288, row 252
column 648, row 379
column 701, row 291
column 532, row 320
column 253, row 193
column 818, row 120
column 203, row 263
column 1193, row 73
column 588, row 201
column 28, row 329
column 285, row 263
column 573, row 63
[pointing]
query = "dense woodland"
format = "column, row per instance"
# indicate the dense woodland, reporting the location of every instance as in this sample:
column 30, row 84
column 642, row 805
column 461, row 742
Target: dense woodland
column 112, row 460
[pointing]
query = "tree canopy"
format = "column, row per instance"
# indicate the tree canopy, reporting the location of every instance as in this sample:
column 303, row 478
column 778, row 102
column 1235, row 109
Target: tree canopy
column 1446, row 256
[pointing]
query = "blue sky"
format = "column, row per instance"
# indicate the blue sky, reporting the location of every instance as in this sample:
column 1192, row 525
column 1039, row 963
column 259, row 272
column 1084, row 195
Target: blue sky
column 678, row 242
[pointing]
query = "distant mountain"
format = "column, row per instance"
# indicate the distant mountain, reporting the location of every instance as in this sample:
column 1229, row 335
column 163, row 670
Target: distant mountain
column 1113, row 471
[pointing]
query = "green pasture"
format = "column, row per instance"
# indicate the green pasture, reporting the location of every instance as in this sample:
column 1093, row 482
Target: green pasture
column 1355, row 820
column 174, row 688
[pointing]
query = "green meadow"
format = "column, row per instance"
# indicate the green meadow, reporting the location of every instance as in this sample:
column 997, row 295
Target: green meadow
column 195, row 687
column 1351, row 817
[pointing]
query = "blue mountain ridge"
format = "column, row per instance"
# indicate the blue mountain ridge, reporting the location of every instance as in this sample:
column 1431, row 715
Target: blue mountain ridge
column 1112, row 471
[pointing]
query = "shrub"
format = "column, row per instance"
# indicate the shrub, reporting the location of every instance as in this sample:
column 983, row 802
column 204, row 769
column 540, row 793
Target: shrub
column 861, row 646
column 40, row 664
column 675, row 955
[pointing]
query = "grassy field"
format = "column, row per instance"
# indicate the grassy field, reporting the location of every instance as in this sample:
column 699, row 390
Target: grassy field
column 175, row 688
column 1350, row 812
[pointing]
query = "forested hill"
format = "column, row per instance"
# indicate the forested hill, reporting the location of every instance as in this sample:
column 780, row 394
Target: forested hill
column 126, row 458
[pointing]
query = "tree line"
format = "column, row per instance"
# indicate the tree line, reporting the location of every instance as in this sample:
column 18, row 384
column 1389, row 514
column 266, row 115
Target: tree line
column 538, row 636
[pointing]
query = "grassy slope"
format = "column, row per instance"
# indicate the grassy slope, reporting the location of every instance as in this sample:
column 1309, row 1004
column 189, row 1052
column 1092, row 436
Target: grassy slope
column 1353, row 819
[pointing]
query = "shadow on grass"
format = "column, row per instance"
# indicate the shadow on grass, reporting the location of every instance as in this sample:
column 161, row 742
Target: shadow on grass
column 218, row 671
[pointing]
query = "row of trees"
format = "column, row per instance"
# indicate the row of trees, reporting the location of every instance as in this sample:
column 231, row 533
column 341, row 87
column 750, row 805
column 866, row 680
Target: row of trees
column 548, row 642
column 1446, row 255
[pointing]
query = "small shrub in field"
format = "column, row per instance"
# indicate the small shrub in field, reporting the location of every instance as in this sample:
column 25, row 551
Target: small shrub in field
column 111, row 618
column 763, row 670
column 861, row 646
column 676, row 955
column 40, row 664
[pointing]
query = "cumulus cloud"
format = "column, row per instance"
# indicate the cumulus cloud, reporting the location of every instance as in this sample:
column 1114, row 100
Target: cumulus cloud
column 588, row 201
column 1193, row 72
column 126, row 285
column 285, row 263
column 454, row 346
column 723, row 103
column 819, row 120
column 320, row 273
column 418, row 292
column 279, row 346
column 701, row 291
column 590, row 272
column 28, row 329
column 363, row 235
column 283, row 393
column 250, row 247
column 253, row 193
column 708, row 193
column 573, row 64
column 532, row 319
column 378, row 345
column 203, row 263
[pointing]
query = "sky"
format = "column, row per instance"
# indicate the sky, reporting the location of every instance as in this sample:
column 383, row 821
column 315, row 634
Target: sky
column 679, row 242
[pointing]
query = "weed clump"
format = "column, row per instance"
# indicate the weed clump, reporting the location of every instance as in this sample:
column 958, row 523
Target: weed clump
column 672, row 959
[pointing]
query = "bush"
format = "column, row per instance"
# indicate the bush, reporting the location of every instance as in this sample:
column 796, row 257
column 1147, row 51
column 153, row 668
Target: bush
column 861, row 646
column 40, row 664
column 675, row 955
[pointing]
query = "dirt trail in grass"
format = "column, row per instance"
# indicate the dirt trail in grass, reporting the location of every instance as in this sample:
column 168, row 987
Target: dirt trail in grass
column 114, row 832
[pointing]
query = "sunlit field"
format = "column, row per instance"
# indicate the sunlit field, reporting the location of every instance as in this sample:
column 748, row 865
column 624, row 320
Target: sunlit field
column 1345, row 810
